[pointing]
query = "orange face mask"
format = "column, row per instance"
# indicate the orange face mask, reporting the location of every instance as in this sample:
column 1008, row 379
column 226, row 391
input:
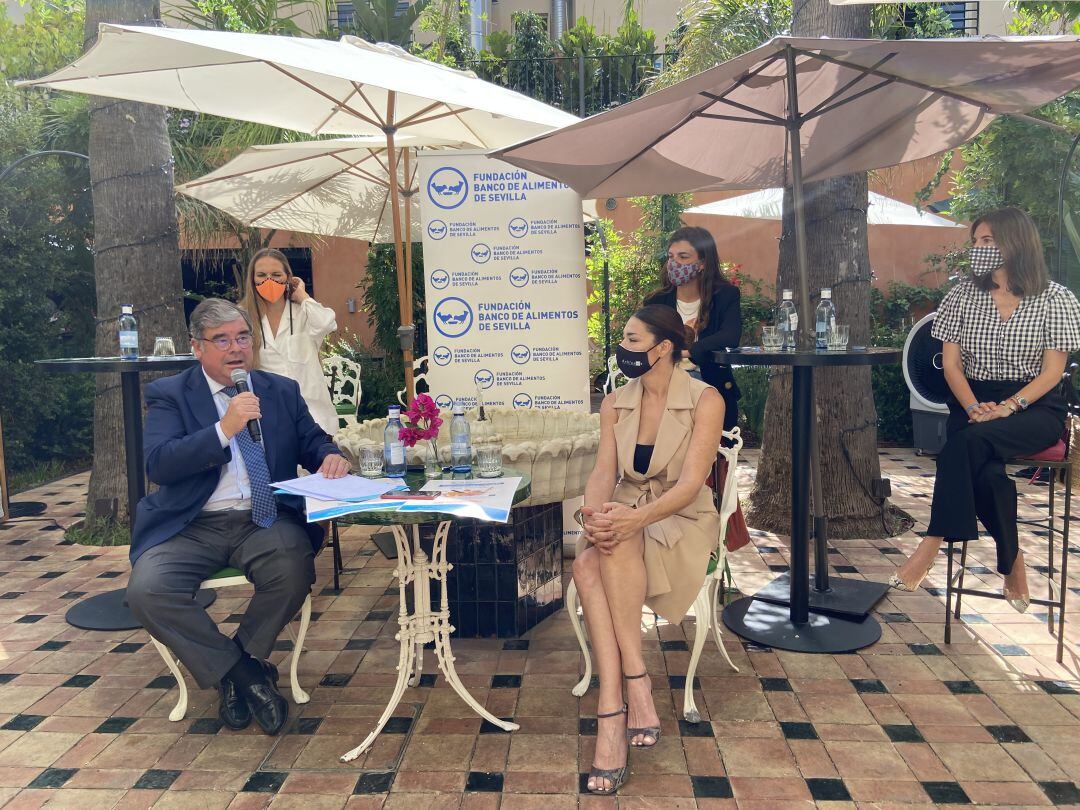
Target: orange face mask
column 270, row 290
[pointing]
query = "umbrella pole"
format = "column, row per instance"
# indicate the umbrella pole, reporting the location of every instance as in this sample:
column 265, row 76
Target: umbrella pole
column 406, row 209
column 794, row 128
column 405, row 332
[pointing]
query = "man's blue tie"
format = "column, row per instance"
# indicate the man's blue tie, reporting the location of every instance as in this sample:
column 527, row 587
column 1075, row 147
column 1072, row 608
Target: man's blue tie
column 263, row 505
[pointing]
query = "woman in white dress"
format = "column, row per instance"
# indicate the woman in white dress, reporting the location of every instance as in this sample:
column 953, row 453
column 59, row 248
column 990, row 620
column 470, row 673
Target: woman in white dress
column 293, row 326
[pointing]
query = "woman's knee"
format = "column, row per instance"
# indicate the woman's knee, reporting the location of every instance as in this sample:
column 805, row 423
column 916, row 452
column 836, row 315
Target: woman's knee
column 586, row 569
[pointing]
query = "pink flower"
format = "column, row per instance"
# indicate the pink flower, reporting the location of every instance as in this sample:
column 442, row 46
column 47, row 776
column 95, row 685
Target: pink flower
column 422, row 407
column 410, row 436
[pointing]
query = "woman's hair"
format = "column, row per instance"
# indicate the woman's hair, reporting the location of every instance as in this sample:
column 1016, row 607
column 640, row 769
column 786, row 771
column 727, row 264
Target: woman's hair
column 664, row 323
column 250, row 299
column 1018, row 240
column 705, row 246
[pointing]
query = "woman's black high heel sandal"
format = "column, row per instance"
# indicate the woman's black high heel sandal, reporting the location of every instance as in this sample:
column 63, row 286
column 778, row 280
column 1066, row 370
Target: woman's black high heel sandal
column 616, row 777
column 647, row 731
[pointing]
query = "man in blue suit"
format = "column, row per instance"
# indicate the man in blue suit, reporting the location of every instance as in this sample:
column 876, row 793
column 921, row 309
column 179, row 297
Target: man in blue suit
column 215, row 508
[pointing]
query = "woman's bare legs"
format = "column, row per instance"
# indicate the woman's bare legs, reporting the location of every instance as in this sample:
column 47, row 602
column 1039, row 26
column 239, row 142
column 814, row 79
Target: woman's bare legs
column 610, row 732
column 918, row 565
column 623, row 573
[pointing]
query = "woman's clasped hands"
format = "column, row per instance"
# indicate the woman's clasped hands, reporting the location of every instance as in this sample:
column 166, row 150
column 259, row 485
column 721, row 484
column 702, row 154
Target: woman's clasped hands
column 611, row 524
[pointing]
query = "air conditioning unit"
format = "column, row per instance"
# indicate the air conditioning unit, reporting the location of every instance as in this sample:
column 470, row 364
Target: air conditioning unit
column 928, row 391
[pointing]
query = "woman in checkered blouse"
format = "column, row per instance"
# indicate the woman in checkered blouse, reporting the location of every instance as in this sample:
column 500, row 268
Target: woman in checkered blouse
column 1007, row 331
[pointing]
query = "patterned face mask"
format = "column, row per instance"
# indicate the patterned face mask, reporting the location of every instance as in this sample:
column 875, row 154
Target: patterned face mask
column 984, row 259
column 679, row 274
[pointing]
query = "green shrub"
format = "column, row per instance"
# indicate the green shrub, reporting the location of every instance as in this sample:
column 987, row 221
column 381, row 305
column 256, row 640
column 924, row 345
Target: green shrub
column 753, row 382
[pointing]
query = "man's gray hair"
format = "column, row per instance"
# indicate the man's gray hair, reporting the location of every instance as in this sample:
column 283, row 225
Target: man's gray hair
column 213, row 312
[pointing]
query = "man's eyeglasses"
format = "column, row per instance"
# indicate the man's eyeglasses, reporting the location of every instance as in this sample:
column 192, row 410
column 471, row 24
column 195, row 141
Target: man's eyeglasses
column 223, row 343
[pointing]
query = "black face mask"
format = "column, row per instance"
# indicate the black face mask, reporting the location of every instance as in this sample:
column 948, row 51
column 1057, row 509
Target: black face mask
column 633, row 364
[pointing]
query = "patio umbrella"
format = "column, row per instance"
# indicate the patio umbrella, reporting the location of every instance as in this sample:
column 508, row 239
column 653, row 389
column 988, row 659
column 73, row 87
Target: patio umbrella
column 337, row 187
column 768, row 204
column 798, row 109
column 322, row 87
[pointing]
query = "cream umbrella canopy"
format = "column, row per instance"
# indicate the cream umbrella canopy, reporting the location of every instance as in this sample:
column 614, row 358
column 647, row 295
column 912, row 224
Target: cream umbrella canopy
column 768, row 204
column 322, row 87
column 335, row 187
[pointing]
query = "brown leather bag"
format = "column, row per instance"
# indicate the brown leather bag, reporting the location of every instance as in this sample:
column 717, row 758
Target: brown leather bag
column 738, row 534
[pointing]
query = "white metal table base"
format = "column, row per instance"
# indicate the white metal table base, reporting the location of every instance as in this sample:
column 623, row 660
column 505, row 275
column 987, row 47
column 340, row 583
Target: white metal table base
column 423, row 625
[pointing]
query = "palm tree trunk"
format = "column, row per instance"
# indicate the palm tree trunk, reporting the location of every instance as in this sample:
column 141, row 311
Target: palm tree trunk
column 136, row 255
column 847, row 420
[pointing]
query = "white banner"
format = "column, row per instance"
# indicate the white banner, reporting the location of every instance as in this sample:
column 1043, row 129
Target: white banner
column 504, row 266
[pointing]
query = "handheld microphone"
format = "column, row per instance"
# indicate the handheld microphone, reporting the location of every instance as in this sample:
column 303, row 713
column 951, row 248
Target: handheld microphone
column 239, row 380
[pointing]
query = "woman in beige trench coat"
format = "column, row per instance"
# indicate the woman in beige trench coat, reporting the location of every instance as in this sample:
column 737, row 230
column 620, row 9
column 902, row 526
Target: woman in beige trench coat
column 649, row 525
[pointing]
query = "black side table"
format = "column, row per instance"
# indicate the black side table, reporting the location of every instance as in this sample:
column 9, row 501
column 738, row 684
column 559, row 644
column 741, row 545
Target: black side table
column 788, row 614
column 108, row 611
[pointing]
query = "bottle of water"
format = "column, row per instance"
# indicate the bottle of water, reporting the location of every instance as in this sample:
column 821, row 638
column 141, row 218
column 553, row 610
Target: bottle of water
column 787, row 322
column 393, row 447
column 129, row 334
column 460, row 441
column 824, row 319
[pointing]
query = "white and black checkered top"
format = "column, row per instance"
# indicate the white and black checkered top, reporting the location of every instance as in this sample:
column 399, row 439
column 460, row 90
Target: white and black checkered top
column 993, row 349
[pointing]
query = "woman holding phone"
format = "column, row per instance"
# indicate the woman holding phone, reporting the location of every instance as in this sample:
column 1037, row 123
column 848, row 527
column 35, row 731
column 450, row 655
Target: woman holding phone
column 291, row 329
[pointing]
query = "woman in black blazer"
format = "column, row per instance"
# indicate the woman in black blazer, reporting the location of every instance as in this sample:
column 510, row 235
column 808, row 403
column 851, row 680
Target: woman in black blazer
column 708, row 304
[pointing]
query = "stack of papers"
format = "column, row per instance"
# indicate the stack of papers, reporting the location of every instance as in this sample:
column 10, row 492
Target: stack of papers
column 351, row 488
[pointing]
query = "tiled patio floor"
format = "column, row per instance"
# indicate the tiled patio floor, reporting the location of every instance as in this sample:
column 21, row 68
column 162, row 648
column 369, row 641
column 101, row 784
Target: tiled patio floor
column 989, row 720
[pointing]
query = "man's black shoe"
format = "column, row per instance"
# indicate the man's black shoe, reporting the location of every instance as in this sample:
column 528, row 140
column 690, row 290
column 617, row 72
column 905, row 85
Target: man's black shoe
column 268, row 707
column 232, row 709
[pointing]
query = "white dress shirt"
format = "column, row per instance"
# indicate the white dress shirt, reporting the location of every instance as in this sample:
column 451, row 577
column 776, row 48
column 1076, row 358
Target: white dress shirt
column 234, row 488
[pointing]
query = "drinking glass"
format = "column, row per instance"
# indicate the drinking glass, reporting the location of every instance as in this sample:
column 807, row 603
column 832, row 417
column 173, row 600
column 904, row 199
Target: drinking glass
column 371, row 461
column 163, row 347
column 771, row 339
column 489, row 460
column 838, row 338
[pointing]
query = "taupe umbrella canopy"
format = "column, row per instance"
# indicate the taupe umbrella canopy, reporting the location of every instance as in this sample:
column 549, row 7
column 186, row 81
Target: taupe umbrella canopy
column 862, row 104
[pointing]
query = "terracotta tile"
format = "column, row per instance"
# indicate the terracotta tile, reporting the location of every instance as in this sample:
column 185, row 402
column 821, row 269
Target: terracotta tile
column 666, row 785
column 812, row 758
column 867, row 760
column 430, row 781
column 979, row 762
column 757, row 757
column 309, row 801
column 527, row 801
column 540, row 782
column 835, row 709
column 702, row 756
column 543, row 752
column 880, row 791
column 1009, row 793
column 450, row 752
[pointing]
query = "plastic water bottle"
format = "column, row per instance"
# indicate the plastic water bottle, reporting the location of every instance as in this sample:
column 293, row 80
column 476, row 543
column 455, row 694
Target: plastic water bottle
column 787, row 322
column 393, row 447
column 460, row 441
column 129, row 333
column 824, row 319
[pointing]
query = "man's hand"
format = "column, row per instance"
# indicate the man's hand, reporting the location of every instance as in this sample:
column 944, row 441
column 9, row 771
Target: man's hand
column 242, row 409
column 335, row 466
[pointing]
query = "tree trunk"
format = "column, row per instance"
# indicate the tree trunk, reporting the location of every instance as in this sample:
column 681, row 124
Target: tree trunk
column 136, row 254
column 838, row 257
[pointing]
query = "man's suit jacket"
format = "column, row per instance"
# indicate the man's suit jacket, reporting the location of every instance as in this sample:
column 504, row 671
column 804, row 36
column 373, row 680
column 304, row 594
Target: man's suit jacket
column 183, row 453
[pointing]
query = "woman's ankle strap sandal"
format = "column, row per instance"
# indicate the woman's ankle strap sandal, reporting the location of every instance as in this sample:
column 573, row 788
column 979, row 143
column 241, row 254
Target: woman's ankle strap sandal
column 615, row 777
column 647, row 731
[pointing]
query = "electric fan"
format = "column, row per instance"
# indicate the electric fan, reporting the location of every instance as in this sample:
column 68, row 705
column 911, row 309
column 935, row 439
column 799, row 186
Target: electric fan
column 926, row 383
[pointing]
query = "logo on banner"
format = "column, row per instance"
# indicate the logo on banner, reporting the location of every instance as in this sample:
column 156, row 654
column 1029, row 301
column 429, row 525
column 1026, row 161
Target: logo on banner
column 436, row 229
column 522, row 401
column 444, row 402
column 519, row 277
column 442, row 355
column 518, row 227
column 453, row 317
column 440, row 279
column 480, row 253
column 520, row 354
column 447, row 188
column 484, row 378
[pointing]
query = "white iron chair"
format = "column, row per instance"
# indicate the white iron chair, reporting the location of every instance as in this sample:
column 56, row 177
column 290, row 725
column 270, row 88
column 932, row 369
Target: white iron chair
column 707, row 603
column 419, row 374
column 343, row 380
column 227, row 578
column 613, row 375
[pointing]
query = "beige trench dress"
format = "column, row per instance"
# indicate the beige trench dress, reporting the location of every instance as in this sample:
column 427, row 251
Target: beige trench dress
column 677, row 548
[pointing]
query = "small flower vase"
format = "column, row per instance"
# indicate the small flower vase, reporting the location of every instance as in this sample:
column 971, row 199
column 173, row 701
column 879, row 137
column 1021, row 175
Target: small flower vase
column 432, row 465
